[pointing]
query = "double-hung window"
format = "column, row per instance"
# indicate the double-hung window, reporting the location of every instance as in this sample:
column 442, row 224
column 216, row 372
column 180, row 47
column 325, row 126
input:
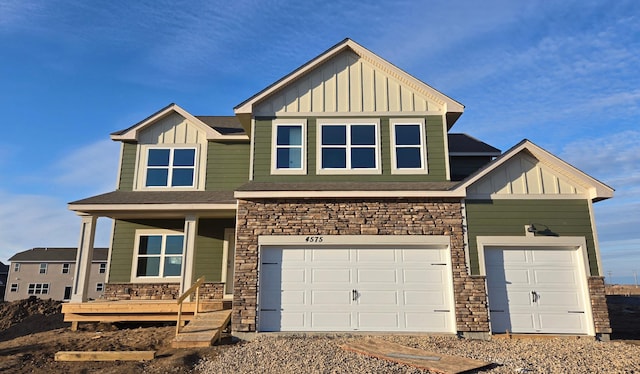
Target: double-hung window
column 348, row 148
column 43, row 268
column 289, row 150
column 65, row 268
column 170, row 167
column 408, row 150
column 38, row 289
column 159, row 255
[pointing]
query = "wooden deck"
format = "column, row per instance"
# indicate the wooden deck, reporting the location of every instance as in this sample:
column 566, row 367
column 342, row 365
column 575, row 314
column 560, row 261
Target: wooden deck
column 134, row 311
column 203, row 331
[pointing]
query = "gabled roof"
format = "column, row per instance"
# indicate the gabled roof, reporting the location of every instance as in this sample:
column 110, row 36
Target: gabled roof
column 453, row 108
column 596, row 189
column 56, row 255
column 215, row 128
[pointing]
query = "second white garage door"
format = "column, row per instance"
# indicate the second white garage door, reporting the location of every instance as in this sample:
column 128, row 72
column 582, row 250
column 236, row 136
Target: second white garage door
column 350, row 289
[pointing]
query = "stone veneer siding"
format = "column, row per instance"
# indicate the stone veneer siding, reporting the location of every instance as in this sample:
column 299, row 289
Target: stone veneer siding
column 412, row 216
column 599, row 305
column 158, row 291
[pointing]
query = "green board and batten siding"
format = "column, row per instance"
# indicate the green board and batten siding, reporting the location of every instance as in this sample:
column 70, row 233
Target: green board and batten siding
column 435, row 156
column 209, row 246
column 508, row 218
column 128, row 166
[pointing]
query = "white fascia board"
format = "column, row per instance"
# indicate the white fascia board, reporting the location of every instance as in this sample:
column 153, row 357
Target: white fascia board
column 344, row 194
column 88, row 208
column 596, row 188
column 211, row 134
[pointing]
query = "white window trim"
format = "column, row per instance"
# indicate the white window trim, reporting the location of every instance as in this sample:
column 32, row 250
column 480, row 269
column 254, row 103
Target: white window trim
column 134, row 266
column 423, row 146
column 102, row 268
column 66, row 267
column 99, row 287
column 42, row 288
column 13, row 287
column 348, row 123
column 199, row 168
column 46, row 268
column 16, row 267
column 274, row 136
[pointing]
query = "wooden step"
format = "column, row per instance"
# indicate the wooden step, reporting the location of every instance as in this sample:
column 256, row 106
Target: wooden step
column 204, row 330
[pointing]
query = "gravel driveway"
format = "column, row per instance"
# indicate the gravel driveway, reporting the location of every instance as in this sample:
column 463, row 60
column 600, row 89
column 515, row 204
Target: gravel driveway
column 322, row 354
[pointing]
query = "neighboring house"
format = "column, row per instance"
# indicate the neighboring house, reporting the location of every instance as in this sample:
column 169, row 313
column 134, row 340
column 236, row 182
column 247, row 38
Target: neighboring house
column 337, row 200
column 48, row 273
column 4, row 272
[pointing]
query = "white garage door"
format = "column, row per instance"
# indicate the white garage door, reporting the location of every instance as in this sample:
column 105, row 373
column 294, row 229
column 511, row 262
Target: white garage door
column 536, row 290
column 366, row 289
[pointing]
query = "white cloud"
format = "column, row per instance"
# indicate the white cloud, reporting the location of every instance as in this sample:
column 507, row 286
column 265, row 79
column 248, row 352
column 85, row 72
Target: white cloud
column 92, row 168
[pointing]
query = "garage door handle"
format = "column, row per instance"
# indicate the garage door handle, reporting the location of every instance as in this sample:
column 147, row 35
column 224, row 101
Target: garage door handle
column 354, row 295
column 534, row 296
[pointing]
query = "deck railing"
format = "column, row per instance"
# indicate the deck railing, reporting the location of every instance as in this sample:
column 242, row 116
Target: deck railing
column 195, row 288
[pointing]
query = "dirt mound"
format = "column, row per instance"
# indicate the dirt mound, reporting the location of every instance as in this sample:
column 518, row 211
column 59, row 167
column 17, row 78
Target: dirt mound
column 29, row 315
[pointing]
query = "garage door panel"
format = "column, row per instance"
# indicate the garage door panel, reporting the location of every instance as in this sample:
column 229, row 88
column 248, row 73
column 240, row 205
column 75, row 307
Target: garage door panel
column 331, row 321
column 553, row 257
column 329, row 255
column 290, row 257
column 434, row 299
column 292, row 321
column 564, row 300
column 377, row 276
column 331, row 275
column 551, row 277
column 517, row 277
column 422, row 277
column 410, row 256
column 375, row 255
column 291, row 298
column 521, row 322
column 294, row 276
column 378, row 321
column 417, row 321
column 381, row 298
column 331, row 298
column 566, row 323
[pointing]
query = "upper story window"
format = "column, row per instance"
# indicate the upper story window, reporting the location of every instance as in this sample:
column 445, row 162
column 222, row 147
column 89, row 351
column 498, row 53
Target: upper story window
column 408, row 150
column 43, row 268
column 170, row 167
column 158, row 254
column 352, row 148
column 289, row 147
column 16, row 267
column 103, row 267
column 65, row 268
column 14, row 287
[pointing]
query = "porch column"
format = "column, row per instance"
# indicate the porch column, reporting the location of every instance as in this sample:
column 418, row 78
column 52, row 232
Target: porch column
column 190, row 235
column 84, row 256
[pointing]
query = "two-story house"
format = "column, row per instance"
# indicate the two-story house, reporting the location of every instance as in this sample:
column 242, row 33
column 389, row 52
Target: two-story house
column 48, row 273
column 337, row 200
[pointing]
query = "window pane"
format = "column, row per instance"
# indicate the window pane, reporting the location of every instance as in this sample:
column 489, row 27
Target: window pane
column 172, row 266
column 184, row 157
column 334, row 135
column 363, row 135
column 407, row 134
column 157, row 177
column 174, row 244
column 363, row 158
column 148, row 266
column 158, row 157
column 289, row 135
column 182, row 177
column 334, row 158
column 408, row 158
column 289, row 158
column 150, row 245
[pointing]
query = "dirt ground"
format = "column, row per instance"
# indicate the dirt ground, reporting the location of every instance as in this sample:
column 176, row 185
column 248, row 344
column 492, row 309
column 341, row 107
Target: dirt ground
column 32, row 331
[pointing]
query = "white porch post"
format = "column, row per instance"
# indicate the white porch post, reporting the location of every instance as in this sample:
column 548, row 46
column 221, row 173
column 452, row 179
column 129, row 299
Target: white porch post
column 83, row 259
column 190, row 234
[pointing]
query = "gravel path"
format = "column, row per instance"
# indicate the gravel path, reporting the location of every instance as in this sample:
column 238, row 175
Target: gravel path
column 322, row 354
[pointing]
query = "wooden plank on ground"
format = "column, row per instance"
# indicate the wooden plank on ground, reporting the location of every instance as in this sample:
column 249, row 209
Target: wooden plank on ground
column 413, row 356
column 105, row 355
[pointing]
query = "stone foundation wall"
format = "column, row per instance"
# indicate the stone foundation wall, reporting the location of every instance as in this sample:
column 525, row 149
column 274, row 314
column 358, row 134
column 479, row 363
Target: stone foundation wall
column 158, row 291
column 353, row 217
column 599, row 305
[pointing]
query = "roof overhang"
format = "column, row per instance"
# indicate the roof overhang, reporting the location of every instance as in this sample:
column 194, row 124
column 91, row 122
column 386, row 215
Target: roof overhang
column 133, row 132
column 345, row 194
column 122, row 211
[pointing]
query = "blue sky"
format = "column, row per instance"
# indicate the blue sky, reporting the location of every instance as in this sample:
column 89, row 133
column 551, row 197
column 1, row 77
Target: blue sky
column 565, row 75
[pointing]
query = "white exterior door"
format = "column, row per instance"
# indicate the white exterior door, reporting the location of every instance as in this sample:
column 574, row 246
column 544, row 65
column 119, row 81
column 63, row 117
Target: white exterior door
column 539, row 290
column 350, row 289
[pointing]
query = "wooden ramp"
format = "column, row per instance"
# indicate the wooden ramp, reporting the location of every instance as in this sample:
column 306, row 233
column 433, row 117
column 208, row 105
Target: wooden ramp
column 418, row 358
column 203, row 331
